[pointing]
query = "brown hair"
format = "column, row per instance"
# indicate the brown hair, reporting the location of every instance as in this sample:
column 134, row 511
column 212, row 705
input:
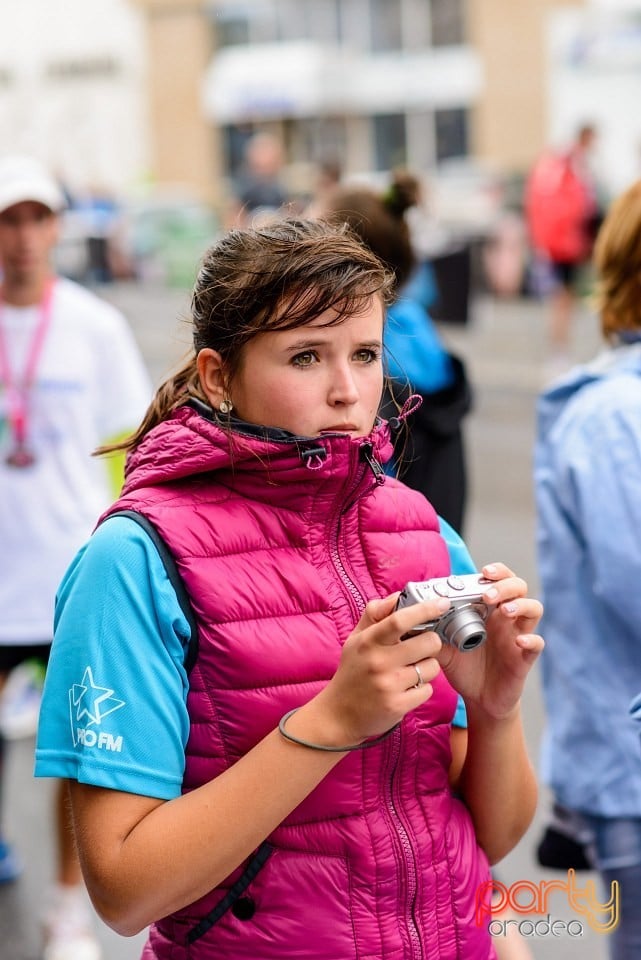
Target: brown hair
column 617, row 258
column 379, row 219
column 278, row 277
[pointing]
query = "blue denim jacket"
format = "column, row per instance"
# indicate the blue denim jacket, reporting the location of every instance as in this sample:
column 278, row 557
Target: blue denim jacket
column 587, row 475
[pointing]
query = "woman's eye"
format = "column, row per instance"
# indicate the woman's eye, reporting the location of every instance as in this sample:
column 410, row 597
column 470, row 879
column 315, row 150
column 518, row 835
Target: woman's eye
column 366, row 355
column 304, row 359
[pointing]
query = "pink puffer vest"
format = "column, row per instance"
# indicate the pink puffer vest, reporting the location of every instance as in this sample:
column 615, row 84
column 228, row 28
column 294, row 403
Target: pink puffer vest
column 280, row 545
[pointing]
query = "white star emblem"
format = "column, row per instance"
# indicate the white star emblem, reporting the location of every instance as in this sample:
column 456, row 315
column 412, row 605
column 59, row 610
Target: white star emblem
column 93, row 701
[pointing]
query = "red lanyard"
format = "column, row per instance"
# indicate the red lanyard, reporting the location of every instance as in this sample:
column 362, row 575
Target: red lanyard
column 18, row 389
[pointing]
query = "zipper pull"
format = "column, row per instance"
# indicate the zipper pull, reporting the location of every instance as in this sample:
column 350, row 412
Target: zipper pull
column 366, row 454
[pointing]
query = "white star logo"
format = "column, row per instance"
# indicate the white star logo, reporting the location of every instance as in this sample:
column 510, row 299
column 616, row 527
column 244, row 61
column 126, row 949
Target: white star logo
column 91, row 702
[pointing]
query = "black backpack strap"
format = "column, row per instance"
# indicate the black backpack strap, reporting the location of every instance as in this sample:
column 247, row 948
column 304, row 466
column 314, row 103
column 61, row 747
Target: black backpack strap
column 165, row 554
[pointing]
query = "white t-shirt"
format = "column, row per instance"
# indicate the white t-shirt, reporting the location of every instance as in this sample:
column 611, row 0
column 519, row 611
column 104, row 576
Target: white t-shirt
column 91, row 385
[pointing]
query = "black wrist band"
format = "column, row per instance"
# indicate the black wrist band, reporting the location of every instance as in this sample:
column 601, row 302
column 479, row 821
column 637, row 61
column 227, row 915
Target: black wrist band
column 319, row 746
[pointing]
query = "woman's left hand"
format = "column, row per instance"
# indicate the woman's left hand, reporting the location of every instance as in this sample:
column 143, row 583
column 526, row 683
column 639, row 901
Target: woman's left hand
column 492, row 675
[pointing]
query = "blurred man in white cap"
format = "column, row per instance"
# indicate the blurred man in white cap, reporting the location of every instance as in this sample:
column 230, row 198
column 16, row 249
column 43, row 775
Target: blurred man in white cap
column 71, row 378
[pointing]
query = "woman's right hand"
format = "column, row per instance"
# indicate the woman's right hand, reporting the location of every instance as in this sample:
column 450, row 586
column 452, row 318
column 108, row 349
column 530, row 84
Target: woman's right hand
column 375, row 684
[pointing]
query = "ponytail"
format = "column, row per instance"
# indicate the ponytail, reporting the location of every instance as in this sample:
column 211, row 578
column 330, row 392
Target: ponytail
column 172, row 393
column 402, row 194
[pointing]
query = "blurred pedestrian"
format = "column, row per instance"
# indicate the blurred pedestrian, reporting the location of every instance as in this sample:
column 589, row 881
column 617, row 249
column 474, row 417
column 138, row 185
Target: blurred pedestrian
column 99, row 211
column 562, row 213
column 259, row 192
column 587, row 480
column 430, row 451
column 70, row 376
column 285, row 791
column 328, row 177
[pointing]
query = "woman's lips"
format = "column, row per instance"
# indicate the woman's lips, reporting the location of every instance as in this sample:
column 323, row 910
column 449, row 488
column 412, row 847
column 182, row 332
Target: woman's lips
column 341, row 428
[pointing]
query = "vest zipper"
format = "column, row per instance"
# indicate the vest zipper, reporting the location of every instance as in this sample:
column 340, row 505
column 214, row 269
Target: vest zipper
column 408, row 858
column 366, row 453
column 365, row 456
column 354, row 593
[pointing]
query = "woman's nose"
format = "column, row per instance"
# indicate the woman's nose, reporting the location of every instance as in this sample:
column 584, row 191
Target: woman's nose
column 343, row 386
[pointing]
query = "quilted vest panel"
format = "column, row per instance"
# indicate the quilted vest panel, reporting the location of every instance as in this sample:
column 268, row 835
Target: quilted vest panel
column 380, row 860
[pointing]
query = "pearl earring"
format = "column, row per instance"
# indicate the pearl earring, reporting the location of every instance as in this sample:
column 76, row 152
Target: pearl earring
column 226, row 406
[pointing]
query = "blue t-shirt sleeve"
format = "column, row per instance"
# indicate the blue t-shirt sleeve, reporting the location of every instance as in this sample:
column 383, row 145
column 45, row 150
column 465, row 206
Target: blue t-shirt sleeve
column 460, row 562
column 460, row 558
column 114, row 710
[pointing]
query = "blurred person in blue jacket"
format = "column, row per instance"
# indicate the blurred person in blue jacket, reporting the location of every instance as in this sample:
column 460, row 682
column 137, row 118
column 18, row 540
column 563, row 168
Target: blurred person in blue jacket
column 430, row 457
column 587, row 481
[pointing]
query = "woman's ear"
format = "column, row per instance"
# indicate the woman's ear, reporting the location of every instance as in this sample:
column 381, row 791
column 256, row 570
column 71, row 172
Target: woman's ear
column 210, row 372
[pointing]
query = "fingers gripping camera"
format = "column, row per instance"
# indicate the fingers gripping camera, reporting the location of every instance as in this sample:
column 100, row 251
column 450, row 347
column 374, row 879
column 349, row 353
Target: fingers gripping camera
column 463, row 625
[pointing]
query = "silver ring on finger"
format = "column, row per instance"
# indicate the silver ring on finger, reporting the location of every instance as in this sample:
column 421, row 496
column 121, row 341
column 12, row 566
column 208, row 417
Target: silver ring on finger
column 419, row 682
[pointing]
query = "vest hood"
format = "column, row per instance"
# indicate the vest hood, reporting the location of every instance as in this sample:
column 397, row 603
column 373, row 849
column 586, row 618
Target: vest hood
column 194, row 442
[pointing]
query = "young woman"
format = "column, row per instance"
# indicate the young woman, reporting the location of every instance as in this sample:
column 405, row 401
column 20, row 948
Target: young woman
column 297, row 790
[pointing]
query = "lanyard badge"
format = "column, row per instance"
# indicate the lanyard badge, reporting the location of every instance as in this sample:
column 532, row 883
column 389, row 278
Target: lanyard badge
column 19, row 389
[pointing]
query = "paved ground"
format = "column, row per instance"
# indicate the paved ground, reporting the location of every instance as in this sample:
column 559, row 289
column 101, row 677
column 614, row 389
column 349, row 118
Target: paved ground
column 504, row 346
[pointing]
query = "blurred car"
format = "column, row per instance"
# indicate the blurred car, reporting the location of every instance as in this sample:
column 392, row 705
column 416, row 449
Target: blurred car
column 158, row 238
column 163, row 237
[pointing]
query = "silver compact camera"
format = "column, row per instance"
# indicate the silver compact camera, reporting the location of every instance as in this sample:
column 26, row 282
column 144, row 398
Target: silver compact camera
column 463, row 625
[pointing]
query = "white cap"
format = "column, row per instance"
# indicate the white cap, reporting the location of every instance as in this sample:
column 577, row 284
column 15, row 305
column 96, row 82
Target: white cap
column 25, row 178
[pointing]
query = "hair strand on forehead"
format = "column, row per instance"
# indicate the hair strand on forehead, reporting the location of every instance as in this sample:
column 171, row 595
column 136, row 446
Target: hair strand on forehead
column 252, row 281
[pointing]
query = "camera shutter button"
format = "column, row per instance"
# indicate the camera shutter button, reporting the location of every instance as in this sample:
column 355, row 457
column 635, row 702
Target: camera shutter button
column 455, row 583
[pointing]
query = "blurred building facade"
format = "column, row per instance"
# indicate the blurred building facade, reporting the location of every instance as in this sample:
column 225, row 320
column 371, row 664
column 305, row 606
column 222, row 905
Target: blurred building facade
column 73, row 89
column 592, row 70
column 119, row 92
column 374, row 83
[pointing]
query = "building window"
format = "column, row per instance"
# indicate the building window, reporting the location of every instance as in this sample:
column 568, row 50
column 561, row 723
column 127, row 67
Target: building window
column 448, row 22
column 292, row 20
column 451, row 134
column 385, row 20
column 325, row 21
column 247, row 21
column 232, row 30
column 264, row 22
column 390, row 144
column 323, row 139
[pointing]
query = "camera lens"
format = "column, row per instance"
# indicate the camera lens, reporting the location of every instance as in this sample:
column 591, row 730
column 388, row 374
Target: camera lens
column 464, row 629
